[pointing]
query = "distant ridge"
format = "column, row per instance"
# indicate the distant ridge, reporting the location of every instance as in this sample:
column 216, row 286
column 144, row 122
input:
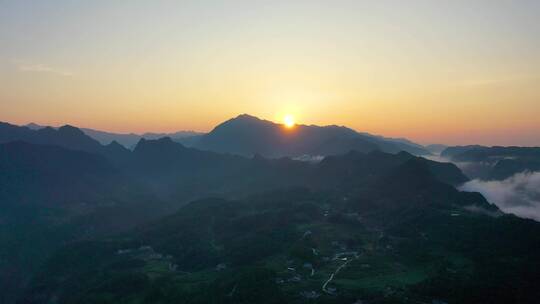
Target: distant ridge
column 128, row 140
column 67, row 136
column 248, row 135
column 495, row 163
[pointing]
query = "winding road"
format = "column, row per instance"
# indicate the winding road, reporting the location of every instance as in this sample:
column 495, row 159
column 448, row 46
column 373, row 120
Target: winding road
column 334, row 274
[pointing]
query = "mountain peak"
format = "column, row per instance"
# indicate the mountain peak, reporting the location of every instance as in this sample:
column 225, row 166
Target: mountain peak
column 247, row 119
column 161, row 144
column 246, row 116
column 70, row 130
column 116, row 145
column 247, row 134
column 34, row 126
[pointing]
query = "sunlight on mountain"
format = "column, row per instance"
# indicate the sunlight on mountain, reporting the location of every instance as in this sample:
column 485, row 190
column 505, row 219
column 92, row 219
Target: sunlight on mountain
column 288, row 121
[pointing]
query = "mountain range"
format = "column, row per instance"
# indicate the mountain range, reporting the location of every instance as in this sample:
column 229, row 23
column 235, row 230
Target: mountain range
column 248, row 135
column 234, row 218
column 495, row 163
column 128, row 140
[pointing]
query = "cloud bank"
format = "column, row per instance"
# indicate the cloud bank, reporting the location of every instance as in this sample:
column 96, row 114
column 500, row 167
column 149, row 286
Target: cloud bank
column 519, row 194
column 310, row 158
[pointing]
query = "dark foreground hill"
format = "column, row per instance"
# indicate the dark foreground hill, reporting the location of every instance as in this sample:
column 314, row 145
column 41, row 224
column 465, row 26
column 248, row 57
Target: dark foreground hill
column 80, row 224
column 52, row 195
column 407, row 238
column 52, row 176
column 49, row 196
column 187, row 173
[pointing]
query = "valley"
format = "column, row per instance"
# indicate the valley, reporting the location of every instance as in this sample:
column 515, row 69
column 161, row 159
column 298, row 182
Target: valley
column 168, row 223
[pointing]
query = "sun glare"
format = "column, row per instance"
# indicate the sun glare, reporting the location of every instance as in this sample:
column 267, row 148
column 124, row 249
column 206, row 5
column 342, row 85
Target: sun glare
column 288, row 121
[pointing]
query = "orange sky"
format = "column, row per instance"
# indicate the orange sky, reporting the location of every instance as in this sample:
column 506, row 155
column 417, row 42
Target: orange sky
column 434, row 72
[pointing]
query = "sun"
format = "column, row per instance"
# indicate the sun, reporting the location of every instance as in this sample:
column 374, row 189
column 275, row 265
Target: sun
column 288, row 121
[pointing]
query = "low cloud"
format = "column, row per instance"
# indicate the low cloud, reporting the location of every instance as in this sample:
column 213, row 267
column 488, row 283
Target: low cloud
column 310, row 158
column 519, row 194
column 43, row 68
column 437, row 158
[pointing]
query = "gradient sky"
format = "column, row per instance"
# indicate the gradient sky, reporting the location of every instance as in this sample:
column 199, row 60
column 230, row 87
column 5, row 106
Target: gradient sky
column 454, row 72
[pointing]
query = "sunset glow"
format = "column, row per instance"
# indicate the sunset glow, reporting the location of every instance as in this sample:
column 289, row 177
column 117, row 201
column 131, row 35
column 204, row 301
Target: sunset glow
column 423, row 70
column 288, row 121
column 266, row 151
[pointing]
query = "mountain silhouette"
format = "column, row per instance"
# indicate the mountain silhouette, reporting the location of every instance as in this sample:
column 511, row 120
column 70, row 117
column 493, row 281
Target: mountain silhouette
column 52, row 175
column 496, row 163
column 67, row 136
column 248, row 135
column 69, row 202
column 128, row 140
